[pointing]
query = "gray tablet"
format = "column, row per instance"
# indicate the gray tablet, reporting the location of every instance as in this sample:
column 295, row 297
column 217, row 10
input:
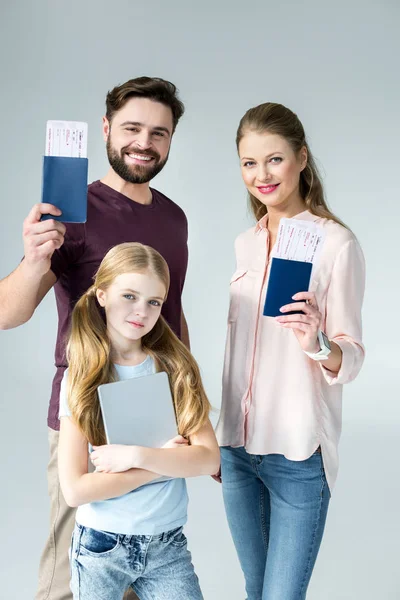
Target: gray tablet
column 138, row 411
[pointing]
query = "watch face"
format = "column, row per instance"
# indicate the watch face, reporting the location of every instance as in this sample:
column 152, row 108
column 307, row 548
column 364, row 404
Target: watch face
column 326, row 340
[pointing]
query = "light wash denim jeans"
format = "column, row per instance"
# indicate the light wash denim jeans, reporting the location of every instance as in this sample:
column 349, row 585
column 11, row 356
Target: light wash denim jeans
column 158, row 567
column 276, row 510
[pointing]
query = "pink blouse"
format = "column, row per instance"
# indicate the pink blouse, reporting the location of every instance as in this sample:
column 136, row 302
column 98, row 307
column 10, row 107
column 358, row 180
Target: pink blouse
column 275, row 399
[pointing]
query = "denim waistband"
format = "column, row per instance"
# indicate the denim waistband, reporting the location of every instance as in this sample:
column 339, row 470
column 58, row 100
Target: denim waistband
column 127, row 538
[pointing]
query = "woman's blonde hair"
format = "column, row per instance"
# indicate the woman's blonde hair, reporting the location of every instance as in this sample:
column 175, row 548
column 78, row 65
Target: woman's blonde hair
column 277, row 119
column 89, row 350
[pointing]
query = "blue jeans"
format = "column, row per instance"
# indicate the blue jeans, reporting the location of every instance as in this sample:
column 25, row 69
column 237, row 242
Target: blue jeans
column 157, row 567
column 276, row 510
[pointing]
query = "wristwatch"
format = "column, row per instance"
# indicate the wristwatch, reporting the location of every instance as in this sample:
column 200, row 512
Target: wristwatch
column 325, row 347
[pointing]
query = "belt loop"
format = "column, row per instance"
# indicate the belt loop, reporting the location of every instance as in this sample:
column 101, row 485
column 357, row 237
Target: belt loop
column 125, row 539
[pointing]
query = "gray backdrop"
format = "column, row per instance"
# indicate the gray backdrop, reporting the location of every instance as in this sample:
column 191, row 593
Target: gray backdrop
column 336, row 65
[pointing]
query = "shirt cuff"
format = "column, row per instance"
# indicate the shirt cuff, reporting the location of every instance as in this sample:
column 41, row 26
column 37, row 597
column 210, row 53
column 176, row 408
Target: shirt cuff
column 352, row 359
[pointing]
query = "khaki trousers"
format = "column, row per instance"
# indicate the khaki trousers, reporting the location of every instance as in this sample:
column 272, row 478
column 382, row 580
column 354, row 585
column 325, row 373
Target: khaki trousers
column 54, row 571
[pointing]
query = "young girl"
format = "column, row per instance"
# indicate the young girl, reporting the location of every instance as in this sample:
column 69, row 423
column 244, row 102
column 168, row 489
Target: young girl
column 282, row 386
column 128, row 533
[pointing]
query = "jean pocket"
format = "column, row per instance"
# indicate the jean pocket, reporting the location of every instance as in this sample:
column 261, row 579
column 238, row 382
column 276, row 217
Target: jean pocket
column 71, row 551
column 98, row 543
column 176, row 538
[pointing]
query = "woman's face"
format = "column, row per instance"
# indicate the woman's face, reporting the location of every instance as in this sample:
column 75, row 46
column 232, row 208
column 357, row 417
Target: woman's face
column 270, row 169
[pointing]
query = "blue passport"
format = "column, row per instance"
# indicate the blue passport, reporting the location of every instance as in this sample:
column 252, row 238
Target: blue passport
column 286, row 278
column 64, row 184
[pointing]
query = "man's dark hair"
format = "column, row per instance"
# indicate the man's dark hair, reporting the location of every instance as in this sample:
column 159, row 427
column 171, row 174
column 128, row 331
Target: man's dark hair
column 153, row 88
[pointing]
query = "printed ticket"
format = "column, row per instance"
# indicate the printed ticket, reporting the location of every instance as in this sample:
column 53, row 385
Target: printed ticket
column 66, row 138
column 298, row 240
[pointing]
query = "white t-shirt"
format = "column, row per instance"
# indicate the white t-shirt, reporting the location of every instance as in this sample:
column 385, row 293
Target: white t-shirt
column 149, row 510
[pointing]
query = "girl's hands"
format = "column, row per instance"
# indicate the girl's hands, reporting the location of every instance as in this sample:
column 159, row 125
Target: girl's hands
column 113, row 458
column 176, row 442
column 306, row 324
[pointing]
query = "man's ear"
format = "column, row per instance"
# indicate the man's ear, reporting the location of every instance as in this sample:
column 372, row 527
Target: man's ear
column 106, row 128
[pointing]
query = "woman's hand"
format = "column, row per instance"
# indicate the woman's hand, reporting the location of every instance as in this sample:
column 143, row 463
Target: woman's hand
column 177, row 442
column 217, row 477
column 305, row 324
column 113, row 458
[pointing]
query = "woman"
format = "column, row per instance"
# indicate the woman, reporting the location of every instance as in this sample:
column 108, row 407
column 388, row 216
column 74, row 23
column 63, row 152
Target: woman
column 128, row 533
column 282, row 385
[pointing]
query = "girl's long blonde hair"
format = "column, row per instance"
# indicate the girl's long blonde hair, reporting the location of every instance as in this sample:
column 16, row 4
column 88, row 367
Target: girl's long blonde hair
column 277, row 119
column 89, row 350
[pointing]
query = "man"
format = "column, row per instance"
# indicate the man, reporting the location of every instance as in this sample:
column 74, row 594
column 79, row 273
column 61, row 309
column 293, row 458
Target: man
column 141, row 118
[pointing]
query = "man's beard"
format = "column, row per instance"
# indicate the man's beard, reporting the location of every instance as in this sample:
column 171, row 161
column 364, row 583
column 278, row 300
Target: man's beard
column 134, row 173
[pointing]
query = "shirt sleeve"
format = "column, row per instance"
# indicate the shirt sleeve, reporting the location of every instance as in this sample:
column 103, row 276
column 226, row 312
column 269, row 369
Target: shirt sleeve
column 343, row 312
column 64, row 408
column 71, row 250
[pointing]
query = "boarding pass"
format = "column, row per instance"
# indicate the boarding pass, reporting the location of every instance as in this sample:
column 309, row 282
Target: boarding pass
column 298, row 240
column 66, row 138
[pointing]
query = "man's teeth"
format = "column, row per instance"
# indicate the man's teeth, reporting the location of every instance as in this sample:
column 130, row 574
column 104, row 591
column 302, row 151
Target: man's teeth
column 139, row 157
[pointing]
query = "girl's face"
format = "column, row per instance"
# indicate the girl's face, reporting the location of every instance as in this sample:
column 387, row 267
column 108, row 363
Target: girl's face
column 132, row 304
column 270, row 169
